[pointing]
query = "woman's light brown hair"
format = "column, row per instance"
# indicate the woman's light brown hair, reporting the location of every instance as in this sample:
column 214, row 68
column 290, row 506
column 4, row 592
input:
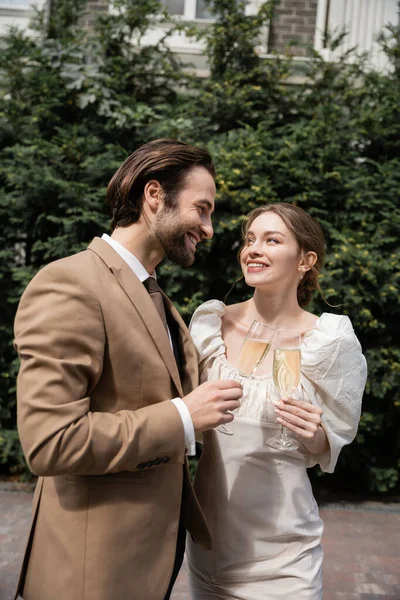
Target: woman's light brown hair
column 309, row 237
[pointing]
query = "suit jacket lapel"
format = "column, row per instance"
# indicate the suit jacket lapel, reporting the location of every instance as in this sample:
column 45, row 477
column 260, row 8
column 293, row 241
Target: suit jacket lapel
column 139, row 297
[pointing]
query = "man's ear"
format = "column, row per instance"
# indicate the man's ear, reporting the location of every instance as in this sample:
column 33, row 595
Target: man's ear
column 307, row 261
column 153, row 195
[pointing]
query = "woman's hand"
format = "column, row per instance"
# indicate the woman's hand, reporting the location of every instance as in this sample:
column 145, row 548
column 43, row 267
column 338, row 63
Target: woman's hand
column 304, row 419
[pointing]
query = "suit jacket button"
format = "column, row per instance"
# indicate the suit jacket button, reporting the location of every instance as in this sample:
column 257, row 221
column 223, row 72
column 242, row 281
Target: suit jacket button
column 165, row 459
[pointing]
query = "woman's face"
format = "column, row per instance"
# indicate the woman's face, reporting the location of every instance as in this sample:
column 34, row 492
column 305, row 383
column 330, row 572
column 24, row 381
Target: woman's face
column 271, row 256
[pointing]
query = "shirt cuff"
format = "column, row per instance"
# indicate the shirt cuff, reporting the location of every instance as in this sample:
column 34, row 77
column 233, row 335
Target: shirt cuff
column 190, row 438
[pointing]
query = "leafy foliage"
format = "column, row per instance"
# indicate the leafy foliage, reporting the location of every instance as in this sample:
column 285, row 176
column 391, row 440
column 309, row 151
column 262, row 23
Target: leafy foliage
column 74, row 106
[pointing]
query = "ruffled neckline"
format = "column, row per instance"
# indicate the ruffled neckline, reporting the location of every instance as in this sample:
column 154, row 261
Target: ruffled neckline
column 319, row 335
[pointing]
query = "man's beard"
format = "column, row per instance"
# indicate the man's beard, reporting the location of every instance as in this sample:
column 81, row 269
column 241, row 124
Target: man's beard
column 171, row 233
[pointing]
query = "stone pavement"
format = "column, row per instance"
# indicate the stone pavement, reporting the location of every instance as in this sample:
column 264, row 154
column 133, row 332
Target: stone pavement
column 361, row 543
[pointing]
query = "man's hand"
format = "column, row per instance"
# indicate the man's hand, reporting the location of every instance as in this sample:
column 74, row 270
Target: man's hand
column 208, row 404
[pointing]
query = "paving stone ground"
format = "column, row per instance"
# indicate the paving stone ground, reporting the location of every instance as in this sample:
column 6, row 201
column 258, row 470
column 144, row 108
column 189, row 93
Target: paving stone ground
column 361, row 543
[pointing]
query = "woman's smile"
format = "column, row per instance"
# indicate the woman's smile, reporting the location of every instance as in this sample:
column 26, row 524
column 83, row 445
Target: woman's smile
column 256, row 266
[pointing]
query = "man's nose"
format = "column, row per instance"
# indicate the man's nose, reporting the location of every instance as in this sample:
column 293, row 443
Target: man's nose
column 207, row 229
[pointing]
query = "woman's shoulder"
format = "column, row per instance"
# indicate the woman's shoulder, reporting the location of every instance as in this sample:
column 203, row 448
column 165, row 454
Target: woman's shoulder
column 205, row 328
column 331, row 357
column 329, row 330
column 235, row 313
column 333, row 337
column 335, row 325
column 334, row 318
column 209, row 308
column 230, row 312
column 210, row 323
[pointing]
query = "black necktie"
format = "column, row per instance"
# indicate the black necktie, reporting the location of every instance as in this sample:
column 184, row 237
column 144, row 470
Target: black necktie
column 156, row 296
column 169, row 323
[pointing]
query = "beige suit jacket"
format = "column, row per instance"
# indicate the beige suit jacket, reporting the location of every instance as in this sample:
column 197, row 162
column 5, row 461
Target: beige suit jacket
column 97, row 427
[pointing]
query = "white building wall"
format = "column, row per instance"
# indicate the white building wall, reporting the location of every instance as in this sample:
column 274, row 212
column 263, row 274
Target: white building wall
column 364, row 19
column 17, row 13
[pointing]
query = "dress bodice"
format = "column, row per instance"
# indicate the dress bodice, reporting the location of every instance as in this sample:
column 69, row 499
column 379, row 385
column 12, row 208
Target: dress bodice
column 333, row 375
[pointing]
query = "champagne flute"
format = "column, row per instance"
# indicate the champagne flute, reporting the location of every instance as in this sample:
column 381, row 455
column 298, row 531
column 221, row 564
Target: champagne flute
column 253, row 350
column 286, row 377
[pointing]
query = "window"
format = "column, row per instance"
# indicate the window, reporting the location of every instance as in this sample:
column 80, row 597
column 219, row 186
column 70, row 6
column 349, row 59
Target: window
column 175, row 7
column 200, row 11
column 203, row 10
column 189, row 9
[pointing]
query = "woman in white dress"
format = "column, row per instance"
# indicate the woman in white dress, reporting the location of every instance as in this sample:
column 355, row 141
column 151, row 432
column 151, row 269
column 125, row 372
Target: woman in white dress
column 257, row 500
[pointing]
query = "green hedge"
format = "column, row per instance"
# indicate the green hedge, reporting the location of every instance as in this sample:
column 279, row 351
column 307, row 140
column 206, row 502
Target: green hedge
column 73, row 107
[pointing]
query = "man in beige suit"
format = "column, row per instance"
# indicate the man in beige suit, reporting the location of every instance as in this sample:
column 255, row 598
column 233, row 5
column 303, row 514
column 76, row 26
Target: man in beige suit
column 108, row 406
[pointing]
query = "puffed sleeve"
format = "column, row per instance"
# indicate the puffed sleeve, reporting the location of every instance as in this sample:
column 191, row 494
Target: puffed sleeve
column 334, row 373
column 205, row 329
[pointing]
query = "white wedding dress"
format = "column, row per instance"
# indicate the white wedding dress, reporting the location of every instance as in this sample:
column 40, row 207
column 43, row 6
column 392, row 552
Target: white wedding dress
column 258, row 501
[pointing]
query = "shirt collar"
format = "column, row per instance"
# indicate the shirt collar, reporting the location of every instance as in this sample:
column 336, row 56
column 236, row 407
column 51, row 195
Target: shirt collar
column 129, row 258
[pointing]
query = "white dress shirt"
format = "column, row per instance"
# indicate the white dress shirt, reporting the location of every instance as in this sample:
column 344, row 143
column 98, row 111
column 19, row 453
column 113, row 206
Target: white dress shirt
column 142, row 274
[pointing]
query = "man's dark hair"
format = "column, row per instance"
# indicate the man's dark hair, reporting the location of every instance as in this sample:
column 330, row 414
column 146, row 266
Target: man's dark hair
column 167, row 161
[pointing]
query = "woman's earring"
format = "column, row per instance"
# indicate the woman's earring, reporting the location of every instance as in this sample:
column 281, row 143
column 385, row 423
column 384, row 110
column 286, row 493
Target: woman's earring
column 301, row 274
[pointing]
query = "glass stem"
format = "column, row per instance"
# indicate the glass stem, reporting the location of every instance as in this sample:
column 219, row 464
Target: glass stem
column 284, row 434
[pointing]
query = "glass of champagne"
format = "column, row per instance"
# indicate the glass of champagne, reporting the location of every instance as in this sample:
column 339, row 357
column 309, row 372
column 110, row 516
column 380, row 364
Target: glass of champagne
column 286, row 377
column 253, row 350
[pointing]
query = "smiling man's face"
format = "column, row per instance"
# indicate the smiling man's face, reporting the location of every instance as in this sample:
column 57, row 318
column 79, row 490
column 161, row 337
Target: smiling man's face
column 181, row 227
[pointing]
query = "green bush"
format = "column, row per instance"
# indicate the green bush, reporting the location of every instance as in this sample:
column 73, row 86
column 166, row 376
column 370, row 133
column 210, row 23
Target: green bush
column 73, row 107
column 330, row 145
